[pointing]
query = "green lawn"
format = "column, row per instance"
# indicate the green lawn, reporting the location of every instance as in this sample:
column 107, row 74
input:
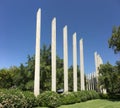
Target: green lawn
column 98, row 103
column 94, row 104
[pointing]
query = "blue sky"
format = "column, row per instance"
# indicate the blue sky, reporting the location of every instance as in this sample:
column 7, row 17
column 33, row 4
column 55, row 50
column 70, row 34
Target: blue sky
column 92, row 20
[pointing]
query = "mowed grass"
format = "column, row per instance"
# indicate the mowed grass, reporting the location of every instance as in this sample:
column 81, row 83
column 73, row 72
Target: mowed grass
column 98, row 103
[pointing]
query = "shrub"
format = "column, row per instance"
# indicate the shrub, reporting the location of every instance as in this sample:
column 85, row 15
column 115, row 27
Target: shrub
column 49, row 99
column 31, row 99
column 94, row 94
column 76, row 97
column 12, row 99
column 82, row 95
column 91, row 95
column 68, row 98
column 114, row 96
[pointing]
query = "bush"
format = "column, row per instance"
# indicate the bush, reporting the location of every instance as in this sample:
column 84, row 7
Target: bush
column 31, row 99
column 110, row 96
column 91, row 95
column 49, row 99
column 12, row 99
column 68, row 98
column 104, row 96
column 114, row 96
column 76, row 97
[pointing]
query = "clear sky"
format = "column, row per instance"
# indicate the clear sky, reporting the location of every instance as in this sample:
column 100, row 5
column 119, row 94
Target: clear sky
column 92, row 20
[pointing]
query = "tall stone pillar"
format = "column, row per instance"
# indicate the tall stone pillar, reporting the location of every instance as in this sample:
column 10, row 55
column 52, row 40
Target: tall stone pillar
column 93, row 80
column 65, row 53
column 82, row 65
column 53, row 53
column 37, row 55
column 88, row 81
column 74, row 63
column 96, row 63
column 98, row 60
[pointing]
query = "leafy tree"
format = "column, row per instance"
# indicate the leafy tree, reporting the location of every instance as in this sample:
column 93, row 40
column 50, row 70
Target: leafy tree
column 109, row 78
column 5, row 79
column 22, row 77
column 60, row 74
column 70, row 78
column 114, row 41
column 45, row 68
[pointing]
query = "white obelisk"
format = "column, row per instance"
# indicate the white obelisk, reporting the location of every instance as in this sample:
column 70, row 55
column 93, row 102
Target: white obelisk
column 65, row 53
column 96, row 64
column 37, row 55
column 53, row 53
column 82, row 65
column 74, row 63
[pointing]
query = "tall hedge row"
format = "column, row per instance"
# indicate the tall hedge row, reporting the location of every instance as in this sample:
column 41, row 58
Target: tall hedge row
column 14, row 98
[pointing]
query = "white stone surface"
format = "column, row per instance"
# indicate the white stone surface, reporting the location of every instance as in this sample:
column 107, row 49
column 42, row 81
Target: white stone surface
column 96, row 63
column 92, row 78
column 53, row 54
column 89, row 82
column 74, row 63
column 65, row 54
column 37, row 55
column 82, row 65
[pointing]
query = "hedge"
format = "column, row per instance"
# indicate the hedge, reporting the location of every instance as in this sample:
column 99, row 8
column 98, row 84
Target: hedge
column 14, row 98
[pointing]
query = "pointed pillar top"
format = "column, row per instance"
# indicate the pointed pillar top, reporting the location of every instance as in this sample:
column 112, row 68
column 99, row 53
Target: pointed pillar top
column 39, row 10
column 65, row 27
column 81, row 39
column 54, row 19
column 74, row 34
column 95, row 52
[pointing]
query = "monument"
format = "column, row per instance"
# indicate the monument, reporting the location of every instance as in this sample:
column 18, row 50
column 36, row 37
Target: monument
column 37, row 54
column 82, row 65
column 53, row 54
column 65, row 54
column 92, row 79
column 74, row 63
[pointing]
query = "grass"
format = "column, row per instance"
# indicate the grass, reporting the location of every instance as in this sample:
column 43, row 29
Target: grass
column 98, row 103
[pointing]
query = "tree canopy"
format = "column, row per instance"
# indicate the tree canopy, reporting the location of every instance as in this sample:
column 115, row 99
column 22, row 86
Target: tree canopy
column 114, row 41
column 109, row 78
column 22, row 77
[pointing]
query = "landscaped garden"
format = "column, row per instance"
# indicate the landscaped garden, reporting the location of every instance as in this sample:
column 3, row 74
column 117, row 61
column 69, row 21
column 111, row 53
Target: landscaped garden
column 98, row 103
column 14, row 98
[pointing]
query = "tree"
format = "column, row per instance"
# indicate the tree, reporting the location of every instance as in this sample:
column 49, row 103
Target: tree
column 114, row 41
column 5, row 79
column 45, row 68
column 70, row 78
column 109, row 78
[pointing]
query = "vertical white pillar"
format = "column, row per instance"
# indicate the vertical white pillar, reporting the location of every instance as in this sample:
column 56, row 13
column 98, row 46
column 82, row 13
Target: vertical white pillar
column 82, row 65
column 88, row 81
column 92, row 79
column 53, row 53
column 37, row 55
column 96, row 63
column 74, row 63
column 65, row 53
